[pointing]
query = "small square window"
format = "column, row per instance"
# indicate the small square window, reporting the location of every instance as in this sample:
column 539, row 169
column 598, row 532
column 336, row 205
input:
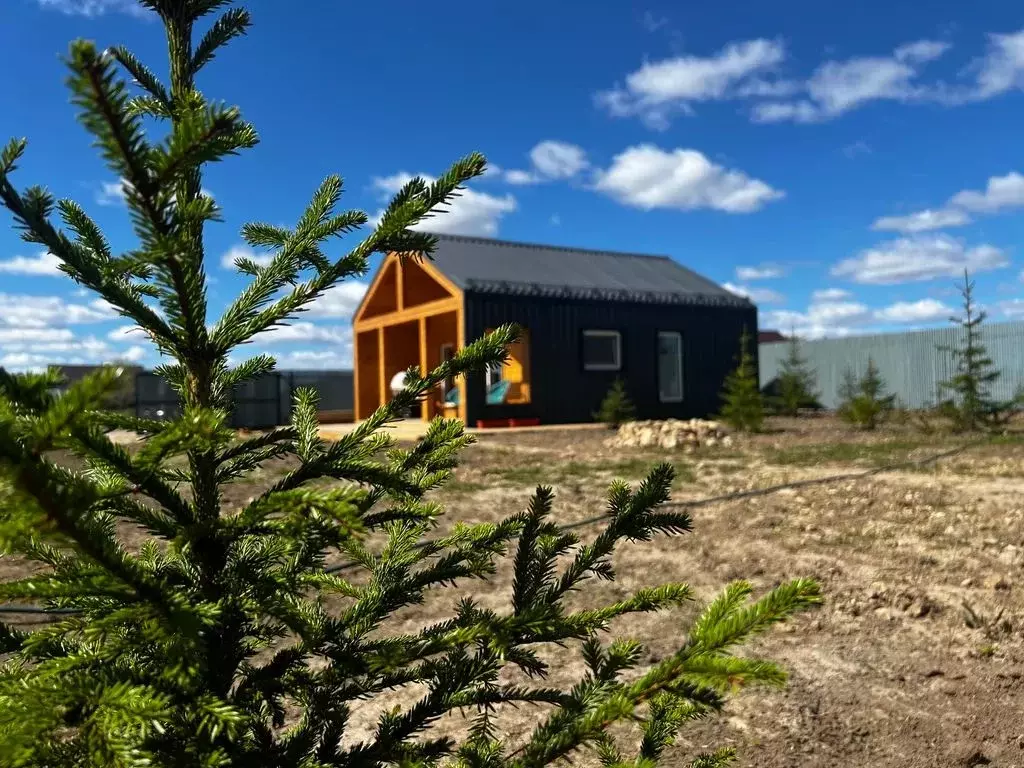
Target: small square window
column 602, row 351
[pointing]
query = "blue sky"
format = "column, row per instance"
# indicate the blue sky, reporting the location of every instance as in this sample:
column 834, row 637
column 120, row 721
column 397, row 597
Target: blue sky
column 839, row 163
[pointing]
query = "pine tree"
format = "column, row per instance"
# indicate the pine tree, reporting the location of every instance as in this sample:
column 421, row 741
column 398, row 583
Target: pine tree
column 970, row 405
column 616, row 407
column 796, row 382
column 226, row 640
column 864, row 402
column 744, row 406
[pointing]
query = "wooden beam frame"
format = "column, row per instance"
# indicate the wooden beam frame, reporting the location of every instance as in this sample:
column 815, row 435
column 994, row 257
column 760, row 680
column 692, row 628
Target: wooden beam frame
column 438, row 307
column 424, row 365
column 402, row 314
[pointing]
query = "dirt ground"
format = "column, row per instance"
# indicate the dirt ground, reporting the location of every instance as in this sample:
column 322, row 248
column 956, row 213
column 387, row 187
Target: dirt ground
column 916, row 657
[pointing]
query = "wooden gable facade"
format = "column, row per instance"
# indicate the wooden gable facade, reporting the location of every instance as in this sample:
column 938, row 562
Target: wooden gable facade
column 411, row 315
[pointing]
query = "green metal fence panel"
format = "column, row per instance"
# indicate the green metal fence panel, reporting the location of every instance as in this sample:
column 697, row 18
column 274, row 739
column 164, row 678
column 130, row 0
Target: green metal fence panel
column 913, row 364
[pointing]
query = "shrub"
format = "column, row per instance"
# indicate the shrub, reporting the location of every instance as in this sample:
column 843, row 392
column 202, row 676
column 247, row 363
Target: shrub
column 864, row 402
column 226, row 639
column 616, row 408
column 744, row 406
column 795, row 386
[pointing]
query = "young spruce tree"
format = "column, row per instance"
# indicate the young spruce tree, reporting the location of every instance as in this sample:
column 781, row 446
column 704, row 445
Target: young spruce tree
column 226, row 640
column 796, row 382
column 744, row 405
column 864, row 402
column 970, row 405
column 616, row 407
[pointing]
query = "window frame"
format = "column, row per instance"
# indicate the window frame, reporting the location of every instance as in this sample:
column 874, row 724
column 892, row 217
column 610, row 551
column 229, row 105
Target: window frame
column 678, row 336
column 605, row 334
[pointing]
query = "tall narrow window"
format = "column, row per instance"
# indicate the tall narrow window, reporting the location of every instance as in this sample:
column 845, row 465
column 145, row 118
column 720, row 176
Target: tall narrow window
column 602, row 351
column 670, row 367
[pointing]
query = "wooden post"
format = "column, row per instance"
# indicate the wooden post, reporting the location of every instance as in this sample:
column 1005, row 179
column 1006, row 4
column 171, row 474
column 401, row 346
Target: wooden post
column 382, row 369
column 355, row 375
column 399, row 284
column 424, row 368
column 460, row 334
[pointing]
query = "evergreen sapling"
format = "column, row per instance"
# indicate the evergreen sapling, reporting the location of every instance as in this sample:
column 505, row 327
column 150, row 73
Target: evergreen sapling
column 796, row 382
column 229, row 638
column 970, row 405
column 744, row 405
column 616, row 407
column 864, row 402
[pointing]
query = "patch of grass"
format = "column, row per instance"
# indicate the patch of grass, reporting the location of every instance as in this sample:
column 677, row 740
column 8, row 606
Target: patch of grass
column 463, row 486
column 556, row 473
column 988, row 650
column 874, row 454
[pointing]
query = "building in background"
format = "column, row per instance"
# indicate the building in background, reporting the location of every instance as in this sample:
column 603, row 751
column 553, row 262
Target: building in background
column 587, row 318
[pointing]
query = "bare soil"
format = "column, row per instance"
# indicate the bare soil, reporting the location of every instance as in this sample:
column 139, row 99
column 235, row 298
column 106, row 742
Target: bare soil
column 916, row 657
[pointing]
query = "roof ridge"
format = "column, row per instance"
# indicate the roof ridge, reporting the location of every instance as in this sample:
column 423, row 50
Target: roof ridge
column 543, row 247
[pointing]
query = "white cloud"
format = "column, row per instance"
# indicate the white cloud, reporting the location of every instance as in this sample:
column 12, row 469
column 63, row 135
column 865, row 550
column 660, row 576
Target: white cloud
column 34, row 335
column 756, row 295
column 1001, row 69
column 339, row 301
column 920, row 52
column 92, row 8
column 134, row 354
column 558, row 160
column 922, row 221
column 918, row 258
column 750, row 70
column 521, row 178
column 1000, row 193
column 126, row 333
column 555, row 220
column 921, row 311
column 115, row 192
column 763, row 272
column 833, row 313
column 648, row 177
column 315, row 359
column 242, row 251
column 44, row 263
column 830, row 294
column 25, row 311
column 824, row 317
column 1012, row 308
column 304, row 332
column 111, row 192
column 551, row 160
column 836, row 87
column 659, row 89
column 471, row 213
column 859, row 147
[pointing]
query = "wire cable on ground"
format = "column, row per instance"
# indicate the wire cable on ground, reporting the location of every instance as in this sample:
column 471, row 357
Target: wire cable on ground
column 695, row 504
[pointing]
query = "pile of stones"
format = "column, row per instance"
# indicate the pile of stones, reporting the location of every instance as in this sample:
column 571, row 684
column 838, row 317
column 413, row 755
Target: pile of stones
column 671, row 434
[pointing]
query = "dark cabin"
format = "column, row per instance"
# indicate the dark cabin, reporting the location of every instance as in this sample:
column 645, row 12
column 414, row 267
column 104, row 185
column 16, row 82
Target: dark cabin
column 588, row 317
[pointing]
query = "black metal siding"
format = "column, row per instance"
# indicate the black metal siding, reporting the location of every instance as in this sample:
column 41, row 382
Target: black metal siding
column 563, row 392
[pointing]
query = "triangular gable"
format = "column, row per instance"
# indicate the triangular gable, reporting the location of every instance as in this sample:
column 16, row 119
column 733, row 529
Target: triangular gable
column 401, row 283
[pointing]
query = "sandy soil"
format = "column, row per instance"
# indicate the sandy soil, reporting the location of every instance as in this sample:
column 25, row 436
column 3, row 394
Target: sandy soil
column 916, row 657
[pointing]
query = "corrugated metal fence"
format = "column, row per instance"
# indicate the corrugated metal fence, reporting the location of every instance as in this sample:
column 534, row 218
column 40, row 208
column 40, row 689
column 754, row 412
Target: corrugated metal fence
column 912, row 364
column 260, row 403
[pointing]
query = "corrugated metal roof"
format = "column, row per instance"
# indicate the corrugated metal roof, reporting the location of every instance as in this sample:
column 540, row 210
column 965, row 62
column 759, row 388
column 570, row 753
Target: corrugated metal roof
column 497, row 266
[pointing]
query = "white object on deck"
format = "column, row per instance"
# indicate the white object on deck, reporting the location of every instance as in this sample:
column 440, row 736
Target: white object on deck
column 398, row 382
